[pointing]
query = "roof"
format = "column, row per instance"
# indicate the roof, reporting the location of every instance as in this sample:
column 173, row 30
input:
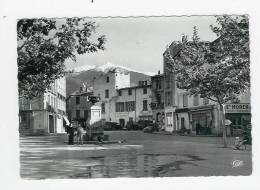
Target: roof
column 157, row 75
column 134, row 87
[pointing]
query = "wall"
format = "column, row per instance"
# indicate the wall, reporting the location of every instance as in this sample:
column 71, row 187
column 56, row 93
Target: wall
column 83, row 105
column 40, row 108
column 116, row 80
column 137, row 96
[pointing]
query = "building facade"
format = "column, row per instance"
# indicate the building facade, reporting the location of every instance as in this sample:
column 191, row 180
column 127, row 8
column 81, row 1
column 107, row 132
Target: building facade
column 78, row 105
column 157, row 102
column 198, row 115
column 119, row 102
column 44, row 114
column 105, row 87
column 132, row 104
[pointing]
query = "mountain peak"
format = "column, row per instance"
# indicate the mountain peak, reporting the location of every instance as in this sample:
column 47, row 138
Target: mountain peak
column 108, row 67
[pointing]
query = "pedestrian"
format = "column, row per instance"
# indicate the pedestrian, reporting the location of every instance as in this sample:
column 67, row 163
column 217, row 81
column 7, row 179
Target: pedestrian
column 70, row 131
column 197, row 128
column 80, row 134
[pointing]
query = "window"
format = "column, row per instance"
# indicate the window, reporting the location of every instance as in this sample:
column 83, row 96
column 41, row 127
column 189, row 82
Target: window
column 52, row 102
column 103, row 108
column 205, row 101
column 182, row 123
column 129, row 92
column 130, row 106
column 195, row 100
column 168, row 98
column 145, row 105
column 77, row 114
column 158, row 84
column 106, row 93
column 107, row 79
column 86, row 114
column 185, row 100
column 119, row 93
column 145, row 91
column 77, row 100
column 120, row 106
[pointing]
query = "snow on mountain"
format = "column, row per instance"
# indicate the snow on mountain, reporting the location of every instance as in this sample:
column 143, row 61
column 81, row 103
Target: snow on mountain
column 107, row 67
column 83, row 68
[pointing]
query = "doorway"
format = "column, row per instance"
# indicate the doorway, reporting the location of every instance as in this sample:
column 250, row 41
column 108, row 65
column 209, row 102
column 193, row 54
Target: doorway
column 51, row 124
column 122, row 122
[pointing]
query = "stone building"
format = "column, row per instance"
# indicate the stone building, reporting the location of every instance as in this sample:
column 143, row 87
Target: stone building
column 105, row 87
column 182, row 110
column 157, row 102
column 132, row 104
column 44, row 114
column 119, row 102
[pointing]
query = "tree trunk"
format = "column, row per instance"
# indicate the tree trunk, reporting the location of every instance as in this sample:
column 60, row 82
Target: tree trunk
column 223, row 118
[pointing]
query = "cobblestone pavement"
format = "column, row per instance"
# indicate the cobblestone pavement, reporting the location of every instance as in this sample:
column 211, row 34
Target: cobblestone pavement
column 143, row 155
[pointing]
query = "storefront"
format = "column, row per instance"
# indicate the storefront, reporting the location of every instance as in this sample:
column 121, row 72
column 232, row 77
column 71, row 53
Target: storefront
column 203, row 120
column 239, row 115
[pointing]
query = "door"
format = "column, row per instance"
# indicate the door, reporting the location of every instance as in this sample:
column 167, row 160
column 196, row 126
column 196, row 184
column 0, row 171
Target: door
column 182, row 123
column 122, row 122
column 51, row 124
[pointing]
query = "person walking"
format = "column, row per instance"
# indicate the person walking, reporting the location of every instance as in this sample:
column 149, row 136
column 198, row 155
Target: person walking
column 71, row 132
column 80, row 133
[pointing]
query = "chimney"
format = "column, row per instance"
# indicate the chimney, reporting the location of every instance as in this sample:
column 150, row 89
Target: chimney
column 81, row 89
column 158, row 72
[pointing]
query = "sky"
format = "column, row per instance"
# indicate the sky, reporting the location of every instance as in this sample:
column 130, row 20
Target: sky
column 139, row 42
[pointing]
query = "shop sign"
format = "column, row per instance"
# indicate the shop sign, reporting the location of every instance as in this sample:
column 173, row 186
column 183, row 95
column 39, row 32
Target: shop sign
column 237, row 108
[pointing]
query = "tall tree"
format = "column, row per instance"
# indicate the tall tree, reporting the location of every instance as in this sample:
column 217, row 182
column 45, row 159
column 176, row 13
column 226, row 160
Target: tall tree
column 45, row 44
column 220, row 70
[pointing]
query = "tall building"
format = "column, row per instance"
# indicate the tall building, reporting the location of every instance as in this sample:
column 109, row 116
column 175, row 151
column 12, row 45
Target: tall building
column 44, row 114
column 119, row 102
column 106, row 85
column 182, row 110
column 157, row 102
column 78, row 105
column 132, row 104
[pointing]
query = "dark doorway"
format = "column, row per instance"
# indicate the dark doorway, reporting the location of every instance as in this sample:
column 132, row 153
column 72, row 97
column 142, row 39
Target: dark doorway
column 51, row 124
column 122, row 122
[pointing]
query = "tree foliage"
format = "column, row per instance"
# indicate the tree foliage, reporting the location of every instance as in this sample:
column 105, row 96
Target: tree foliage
column 218, row 70
column 44, row 45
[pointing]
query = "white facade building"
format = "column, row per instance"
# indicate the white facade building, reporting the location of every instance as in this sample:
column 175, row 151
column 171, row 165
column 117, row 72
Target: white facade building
column 120, row 102
column 43, row 114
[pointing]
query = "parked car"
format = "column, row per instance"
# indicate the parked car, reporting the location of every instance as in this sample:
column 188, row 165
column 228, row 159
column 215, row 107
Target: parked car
column 131, row 125
column 151, row 128
column 110, row 126
column 143, row 123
